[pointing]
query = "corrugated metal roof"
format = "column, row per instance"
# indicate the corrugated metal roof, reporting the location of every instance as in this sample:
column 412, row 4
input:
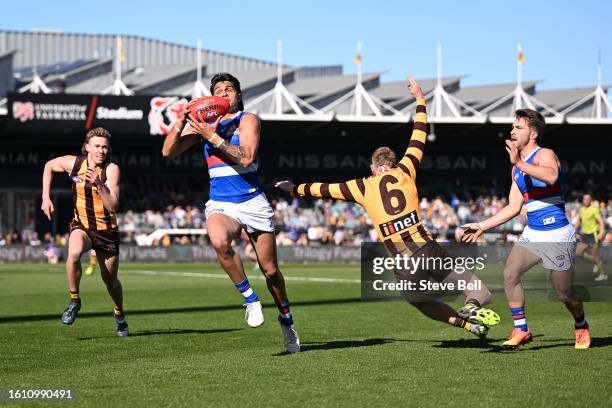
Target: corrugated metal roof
column 163, row 68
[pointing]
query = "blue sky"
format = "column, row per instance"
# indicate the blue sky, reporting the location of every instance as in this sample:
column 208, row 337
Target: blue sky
column 560, row 39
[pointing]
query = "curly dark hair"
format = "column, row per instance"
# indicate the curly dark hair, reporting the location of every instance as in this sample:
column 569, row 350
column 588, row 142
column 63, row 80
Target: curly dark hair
column 226, row 76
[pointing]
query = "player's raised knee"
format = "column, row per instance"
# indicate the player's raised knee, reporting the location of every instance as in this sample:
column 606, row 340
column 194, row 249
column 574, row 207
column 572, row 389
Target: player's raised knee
column 511, row 278
column 221, row 244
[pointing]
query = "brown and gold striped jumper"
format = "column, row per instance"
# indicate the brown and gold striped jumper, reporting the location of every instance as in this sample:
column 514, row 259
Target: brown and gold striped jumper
column 89, row 209
column 390, row 197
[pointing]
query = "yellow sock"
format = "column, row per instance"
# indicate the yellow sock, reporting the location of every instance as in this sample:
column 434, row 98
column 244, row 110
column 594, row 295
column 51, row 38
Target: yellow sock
column 464, row 324
column 118, row 312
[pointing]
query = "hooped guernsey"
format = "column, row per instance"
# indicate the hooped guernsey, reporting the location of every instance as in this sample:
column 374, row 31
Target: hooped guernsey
column 389, row 197
column 230, row 182
column 89, row 208
column 544, row 203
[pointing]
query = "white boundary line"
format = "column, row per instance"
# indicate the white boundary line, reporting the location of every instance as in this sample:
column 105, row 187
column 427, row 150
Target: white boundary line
column 224, row 276
column 495, row 287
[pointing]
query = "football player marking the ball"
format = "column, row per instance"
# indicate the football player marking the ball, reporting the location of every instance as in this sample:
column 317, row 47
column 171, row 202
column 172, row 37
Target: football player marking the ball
column 237, row 200
column 548, row 238
column 95, row 191
column 390, row 194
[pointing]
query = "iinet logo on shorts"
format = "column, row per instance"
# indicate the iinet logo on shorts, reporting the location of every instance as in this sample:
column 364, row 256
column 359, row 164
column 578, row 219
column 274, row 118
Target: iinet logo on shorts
column 399, row 224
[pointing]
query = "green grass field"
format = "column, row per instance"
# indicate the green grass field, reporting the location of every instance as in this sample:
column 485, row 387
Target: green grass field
column 189, row 346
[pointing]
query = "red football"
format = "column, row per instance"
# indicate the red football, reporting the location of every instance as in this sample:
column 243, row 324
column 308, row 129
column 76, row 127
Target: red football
column 209, row 108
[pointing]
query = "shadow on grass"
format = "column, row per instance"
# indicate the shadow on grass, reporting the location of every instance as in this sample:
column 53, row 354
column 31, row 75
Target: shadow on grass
column 546, row 346
column 601, row 341
column 341, row 344
column 595, row 343
column 129, row 313
column 498, row 348
column 486, row 343
column 553, row 343
column 164, row 332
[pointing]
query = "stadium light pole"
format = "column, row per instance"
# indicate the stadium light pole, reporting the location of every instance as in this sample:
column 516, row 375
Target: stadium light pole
column 519, row 91
column 519, row 97
column 441, row 98
column 279, row 93
column 358, row 88
column 598, row 95
column 437, row 98
column 118, row 87
column 37, row 85
column 598, row 100
column 359, row 94
column 199, row 89
column 278, row 97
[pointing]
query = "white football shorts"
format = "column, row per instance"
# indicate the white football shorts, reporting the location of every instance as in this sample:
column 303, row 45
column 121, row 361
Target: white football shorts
column 255, row 214
column 556, row 248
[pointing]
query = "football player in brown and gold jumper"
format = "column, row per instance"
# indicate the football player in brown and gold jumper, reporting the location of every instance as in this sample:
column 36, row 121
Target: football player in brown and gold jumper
column 390, row 195
column 95, row 192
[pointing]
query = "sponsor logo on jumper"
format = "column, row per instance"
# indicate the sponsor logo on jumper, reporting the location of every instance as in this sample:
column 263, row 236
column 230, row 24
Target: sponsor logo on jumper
column 399, row 224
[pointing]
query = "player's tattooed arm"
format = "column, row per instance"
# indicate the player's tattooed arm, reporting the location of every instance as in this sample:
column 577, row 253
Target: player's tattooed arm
column 245, row 154
column 234, row 152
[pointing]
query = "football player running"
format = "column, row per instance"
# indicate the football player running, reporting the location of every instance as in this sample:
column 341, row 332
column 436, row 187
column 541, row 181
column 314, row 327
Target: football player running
column 237, row 200
column 548, row 238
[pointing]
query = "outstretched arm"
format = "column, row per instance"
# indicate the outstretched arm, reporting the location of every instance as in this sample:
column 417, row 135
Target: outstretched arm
column 414, row 154
column 475, row 229
column 351, row 191
column 57, row 165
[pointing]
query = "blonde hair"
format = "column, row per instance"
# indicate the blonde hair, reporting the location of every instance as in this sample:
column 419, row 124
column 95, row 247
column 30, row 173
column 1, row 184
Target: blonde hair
column 96, row 132
column 383, row 156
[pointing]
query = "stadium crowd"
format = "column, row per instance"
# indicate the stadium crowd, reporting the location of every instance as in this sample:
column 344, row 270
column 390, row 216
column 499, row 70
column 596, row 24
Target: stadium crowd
column 316, row 222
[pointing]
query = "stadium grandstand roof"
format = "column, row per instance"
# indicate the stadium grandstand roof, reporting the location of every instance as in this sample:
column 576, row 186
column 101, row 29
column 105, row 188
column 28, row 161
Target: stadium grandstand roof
column 87, row 64
column 481, row 96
